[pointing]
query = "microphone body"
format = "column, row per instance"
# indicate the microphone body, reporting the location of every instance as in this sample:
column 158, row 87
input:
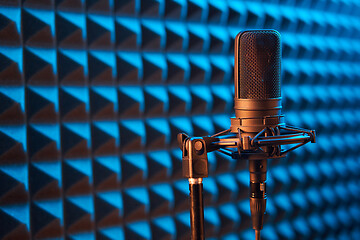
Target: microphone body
column 257, row 100
column 257, row 104
column 257, row 131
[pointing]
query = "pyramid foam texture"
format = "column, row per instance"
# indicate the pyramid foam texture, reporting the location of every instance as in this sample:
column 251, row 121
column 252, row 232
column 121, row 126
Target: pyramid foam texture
column 94, row 92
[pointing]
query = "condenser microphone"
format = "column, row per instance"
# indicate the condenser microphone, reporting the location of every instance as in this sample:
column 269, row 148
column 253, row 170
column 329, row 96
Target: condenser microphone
column 257, row 105
column 257, row 131
column 257, row 80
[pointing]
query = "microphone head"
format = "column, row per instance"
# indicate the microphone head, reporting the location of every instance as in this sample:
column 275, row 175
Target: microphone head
column 258, row 64
column 257, row 102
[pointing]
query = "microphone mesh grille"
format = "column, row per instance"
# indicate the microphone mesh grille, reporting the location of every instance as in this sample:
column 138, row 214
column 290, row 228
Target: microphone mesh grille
column 259, row 64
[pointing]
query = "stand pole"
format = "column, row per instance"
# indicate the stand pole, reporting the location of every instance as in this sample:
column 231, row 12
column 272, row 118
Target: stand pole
column 257, row 234
column 196, row 209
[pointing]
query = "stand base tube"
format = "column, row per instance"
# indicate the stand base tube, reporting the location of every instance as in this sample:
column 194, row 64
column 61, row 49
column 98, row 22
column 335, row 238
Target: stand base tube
column 196, row 209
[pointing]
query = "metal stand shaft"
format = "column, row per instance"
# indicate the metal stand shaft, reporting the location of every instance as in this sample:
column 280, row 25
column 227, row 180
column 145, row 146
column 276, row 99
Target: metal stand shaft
column 257, row 234
column 196, row 209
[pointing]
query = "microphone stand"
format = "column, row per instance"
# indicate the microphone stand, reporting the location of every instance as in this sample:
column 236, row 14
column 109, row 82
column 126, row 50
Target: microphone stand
column 195, row 168
column 266, row 144
column 196, row 208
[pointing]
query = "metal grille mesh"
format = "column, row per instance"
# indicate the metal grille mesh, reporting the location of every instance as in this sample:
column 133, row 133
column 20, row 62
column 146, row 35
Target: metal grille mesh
column 260, row 55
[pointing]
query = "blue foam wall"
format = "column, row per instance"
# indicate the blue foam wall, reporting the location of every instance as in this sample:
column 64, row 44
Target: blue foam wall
column 93, row 94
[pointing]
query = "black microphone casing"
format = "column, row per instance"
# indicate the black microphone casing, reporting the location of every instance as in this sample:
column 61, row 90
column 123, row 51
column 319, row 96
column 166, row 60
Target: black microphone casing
column 257, row 105
column 257, row 100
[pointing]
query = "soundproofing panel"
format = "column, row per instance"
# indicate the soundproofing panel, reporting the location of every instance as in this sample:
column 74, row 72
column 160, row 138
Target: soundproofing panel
column 94, row 92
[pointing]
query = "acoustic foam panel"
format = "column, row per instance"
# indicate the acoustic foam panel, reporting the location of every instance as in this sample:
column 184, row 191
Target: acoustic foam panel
column 93, row 94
